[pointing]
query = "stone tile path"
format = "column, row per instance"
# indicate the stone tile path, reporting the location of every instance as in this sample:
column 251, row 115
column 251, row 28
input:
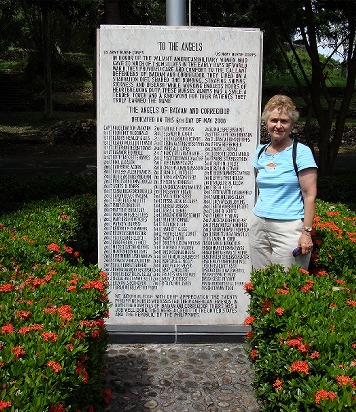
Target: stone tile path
column 180, row 378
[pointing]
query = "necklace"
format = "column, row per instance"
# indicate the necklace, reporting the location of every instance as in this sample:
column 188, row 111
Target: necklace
column 277, row 151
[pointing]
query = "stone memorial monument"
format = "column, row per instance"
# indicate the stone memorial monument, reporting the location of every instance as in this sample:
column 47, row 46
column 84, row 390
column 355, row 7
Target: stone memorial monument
column 178, row 124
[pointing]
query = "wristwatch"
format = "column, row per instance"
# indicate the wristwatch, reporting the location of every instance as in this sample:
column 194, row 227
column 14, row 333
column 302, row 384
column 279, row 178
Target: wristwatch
column 307, row 229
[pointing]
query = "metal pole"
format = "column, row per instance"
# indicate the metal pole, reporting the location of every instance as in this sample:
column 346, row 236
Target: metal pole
column 190, row 13
column 176, row 13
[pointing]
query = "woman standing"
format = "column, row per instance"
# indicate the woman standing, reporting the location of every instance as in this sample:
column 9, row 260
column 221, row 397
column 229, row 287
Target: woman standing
column 283, row 215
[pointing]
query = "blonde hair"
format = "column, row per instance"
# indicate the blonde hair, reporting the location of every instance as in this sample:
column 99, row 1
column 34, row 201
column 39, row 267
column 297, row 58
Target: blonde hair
column 282, row 103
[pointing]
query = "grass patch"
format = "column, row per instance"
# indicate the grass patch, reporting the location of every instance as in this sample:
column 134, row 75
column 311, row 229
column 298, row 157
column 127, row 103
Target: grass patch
column 33, row 122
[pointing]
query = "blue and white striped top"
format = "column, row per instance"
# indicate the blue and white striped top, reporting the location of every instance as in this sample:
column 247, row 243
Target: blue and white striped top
column 280, row 196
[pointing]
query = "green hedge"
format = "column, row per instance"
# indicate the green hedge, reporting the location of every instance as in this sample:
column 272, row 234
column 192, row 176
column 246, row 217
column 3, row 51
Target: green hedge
column 52, row 335
column 302, row 341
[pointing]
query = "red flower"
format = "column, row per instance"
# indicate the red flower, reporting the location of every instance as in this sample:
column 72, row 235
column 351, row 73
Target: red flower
column 249, row 335
column 36, row 327
column 278, row 384
column 283, row 291
column 68, row 249
column 319, row 272
column 23, row 314
column 74, row 280
column 54, row 247
column 331, row 226
column 18, row 351
column 52, row 272
column 249, row 320
column 65, row 312
column 266, row 308
column 332, row 213
column 248, row 286
column 253, row 354
column 81, row 371
column 24, row 330
column 107, row 396
column 64, row 216
column 7, row 287
column 302, row 347
column 5, row 404
column 79, row 335
column 279, row 311
column 94, row 284
column 324, row 395
column 103, row 275
column 95, row 333
column 293, row 342
column 351, row 302
column 344, row 380
column 306, row 272
column 7, row 328
column 57, row 408
column 49, row 336
column 299, row 366
column 38, row 282
column 307, row 286
column 315, row 355
column 54, row 365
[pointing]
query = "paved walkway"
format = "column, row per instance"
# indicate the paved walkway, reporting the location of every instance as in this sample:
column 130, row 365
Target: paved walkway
column 180, row 378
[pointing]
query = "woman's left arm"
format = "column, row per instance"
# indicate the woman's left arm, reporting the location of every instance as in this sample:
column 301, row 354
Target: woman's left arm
column 308, row 185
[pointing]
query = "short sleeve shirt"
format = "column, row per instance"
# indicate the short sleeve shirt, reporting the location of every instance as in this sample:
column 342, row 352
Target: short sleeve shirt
column 280, row 196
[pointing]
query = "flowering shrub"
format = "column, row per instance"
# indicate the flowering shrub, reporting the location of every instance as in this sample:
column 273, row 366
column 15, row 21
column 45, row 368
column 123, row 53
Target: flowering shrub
column 302, row 341
column 52, row 335
column 334, row 238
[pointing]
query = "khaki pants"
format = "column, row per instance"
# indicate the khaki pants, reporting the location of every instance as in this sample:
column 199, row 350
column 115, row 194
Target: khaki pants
column 272, row 241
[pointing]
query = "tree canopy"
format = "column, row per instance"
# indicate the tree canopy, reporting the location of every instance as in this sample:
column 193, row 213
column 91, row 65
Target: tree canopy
column 292, row 25
column 293, row 30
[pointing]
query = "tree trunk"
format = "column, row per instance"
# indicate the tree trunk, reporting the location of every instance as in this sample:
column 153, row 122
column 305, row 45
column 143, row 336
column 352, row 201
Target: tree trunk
column 48, row 110
column 112, row 12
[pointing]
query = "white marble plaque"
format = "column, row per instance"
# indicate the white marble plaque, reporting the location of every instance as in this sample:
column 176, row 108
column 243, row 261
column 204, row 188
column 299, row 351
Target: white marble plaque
column 178, row 124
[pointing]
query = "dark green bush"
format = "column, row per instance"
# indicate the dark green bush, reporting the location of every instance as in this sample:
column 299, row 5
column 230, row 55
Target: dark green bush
column 15, row 192
column 338, row 188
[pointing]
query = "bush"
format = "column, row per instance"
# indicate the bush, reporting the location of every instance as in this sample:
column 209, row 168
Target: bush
column 338, row 188
column 52, row 335
column 16, row 192
column 302, row 342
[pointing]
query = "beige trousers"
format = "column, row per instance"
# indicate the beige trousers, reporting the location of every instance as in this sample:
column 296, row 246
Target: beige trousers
column 273, row 241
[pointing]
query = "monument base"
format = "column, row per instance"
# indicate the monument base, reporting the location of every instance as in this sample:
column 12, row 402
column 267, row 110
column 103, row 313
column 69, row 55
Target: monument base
column 176, row 334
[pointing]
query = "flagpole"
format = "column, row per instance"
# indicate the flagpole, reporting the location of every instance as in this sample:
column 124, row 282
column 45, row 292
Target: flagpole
column 176, row 13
